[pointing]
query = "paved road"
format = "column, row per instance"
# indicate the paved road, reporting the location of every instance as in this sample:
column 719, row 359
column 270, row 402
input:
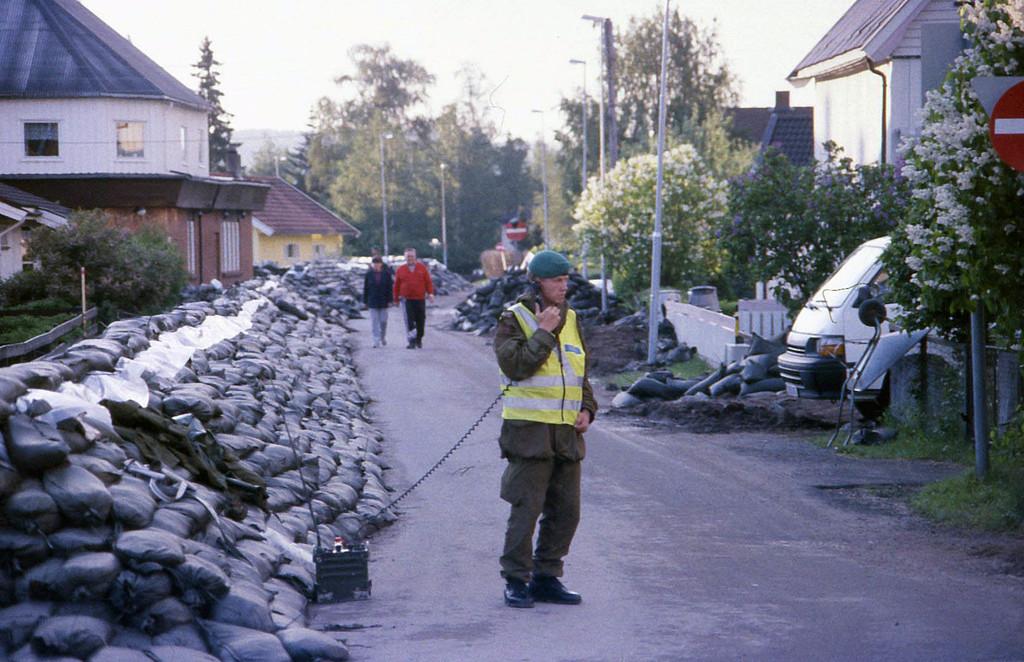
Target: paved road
column 703, row 547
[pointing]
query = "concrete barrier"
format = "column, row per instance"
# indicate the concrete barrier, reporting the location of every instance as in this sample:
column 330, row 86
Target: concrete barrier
column 709, row 332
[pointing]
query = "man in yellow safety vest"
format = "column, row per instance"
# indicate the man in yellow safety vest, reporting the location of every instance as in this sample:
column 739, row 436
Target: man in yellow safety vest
column 548, row 405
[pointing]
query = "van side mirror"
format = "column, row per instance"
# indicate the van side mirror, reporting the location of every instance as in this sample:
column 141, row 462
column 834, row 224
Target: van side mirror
column 871, row 312
column 864, row 292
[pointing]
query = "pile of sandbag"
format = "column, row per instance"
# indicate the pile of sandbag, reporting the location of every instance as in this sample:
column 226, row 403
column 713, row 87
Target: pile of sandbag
column 479, row 313
column 162, row 487
column 756, row 372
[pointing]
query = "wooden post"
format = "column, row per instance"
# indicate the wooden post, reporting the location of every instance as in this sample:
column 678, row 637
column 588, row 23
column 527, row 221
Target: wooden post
column 84, row 322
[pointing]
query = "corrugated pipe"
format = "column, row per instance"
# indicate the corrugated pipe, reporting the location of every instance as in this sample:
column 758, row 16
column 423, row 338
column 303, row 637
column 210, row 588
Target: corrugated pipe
column 885, row 106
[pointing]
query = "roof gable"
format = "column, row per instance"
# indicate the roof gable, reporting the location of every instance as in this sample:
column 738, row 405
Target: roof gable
column 288, row 210
column 59, row 49
column 868, row 29
column 19, row 198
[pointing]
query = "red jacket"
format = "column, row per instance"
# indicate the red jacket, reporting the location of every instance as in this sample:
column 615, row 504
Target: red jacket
column 413, row 283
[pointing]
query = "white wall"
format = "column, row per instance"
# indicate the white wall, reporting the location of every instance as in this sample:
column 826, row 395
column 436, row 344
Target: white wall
column 87, row 136
column 11, row 253
column 848, row 111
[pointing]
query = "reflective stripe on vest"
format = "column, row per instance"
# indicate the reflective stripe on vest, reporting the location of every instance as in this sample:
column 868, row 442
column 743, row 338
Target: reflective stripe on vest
column 554, row 394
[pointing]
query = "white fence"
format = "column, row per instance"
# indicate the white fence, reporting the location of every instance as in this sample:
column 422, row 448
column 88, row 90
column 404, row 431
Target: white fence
column 765, row 317
column 708, row 331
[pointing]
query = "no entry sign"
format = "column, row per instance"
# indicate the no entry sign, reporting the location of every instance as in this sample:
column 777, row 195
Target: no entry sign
column 1006, row 126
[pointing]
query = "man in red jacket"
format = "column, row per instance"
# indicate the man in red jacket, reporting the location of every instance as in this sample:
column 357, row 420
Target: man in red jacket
column 413, row 285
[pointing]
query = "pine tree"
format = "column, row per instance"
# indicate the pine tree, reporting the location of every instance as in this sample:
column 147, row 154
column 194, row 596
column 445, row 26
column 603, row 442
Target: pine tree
column 209, row 89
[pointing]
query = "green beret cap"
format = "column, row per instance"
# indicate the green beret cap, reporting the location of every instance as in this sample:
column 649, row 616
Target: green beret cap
column 549, row 264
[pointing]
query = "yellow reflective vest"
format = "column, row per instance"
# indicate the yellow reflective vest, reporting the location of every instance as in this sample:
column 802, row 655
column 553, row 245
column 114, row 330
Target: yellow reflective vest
column 553, row 394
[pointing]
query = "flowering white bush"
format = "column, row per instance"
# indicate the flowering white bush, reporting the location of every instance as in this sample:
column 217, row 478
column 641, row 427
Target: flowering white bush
column 619, row 217
column 962, row 241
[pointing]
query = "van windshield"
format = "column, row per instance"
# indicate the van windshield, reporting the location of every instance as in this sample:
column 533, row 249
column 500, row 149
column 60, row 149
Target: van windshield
column 854, row 271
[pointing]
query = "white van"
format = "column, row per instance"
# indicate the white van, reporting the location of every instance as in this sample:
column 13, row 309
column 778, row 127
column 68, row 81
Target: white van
column 827, row 337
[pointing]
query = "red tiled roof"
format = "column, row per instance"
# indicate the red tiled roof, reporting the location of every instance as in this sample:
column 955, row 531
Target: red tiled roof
column 290, row 211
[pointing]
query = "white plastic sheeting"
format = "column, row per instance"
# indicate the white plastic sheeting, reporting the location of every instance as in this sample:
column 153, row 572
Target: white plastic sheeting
column 165, row 356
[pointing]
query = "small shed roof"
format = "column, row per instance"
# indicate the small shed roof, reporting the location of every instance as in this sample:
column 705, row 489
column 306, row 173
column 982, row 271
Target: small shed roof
column 288, row 210
column 18, row 198
column 869, row 29
column 59, row 49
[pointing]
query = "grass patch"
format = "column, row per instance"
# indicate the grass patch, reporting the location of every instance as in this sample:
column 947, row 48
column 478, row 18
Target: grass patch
column 995, row 504
column 729, row 307
column 19, row 328
column 913, row 446
column 695, row 367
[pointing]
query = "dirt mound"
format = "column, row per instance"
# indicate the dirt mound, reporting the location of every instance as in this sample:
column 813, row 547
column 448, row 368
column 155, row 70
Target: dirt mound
column 727, row 414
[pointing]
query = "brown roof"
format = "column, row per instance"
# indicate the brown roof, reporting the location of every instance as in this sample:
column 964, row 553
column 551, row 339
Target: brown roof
column 290, row 211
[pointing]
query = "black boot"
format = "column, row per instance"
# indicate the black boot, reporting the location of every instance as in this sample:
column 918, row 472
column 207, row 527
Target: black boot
column 517, row 593
column 549, row 589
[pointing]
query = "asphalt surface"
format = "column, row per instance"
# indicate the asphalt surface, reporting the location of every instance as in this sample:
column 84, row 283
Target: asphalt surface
column 691, row 547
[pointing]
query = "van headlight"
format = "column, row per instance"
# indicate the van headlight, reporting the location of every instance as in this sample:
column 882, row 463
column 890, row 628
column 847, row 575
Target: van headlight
column 832, row 346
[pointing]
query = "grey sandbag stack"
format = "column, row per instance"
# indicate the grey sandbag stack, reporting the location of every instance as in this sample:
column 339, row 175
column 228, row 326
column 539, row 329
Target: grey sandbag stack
column 757, row 372
column 184, row 529
column 479, row 313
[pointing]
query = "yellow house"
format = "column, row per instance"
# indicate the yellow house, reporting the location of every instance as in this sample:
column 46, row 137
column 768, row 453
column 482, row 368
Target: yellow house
column 293, row 227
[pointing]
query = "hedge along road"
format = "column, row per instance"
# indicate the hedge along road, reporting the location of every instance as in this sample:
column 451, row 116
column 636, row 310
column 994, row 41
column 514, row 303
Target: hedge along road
column 691, row 546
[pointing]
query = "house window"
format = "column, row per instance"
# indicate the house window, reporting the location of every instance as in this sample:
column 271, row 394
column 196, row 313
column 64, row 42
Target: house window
column 319, row 250
column 184, row 144
column 130, row 140
column 200, row 145
column 230, row 260
column 291, row 250
column 41, row 139
column 190, row 245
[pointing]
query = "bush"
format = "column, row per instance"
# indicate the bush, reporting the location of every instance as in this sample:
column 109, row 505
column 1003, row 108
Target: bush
column 795, row 224
column 135, row 273
column 22, row 287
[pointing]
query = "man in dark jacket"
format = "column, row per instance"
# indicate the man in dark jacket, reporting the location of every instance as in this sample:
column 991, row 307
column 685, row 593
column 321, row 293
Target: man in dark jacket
column 548, row 405
column 377, row 297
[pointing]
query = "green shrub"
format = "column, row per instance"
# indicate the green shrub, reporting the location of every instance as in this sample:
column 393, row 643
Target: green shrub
column 133, row 273
column 22, row 287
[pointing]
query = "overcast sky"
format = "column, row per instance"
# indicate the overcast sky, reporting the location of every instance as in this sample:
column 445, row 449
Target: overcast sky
column 279, row 56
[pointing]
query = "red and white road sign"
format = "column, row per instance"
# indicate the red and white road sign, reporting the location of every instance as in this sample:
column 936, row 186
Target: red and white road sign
column 515, row 233
column 1006, row 127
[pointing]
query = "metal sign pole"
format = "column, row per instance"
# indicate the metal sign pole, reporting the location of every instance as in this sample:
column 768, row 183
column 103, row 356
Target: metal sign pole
column 980, row 412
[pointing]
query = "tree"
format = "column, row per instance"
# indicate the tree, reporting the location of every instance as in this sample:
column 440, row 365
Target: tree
column 794, row 224
column 960, row 246
column 267, row 159
column 619, row 217
column 206, row 70
column 139, row 273
column 384, row 83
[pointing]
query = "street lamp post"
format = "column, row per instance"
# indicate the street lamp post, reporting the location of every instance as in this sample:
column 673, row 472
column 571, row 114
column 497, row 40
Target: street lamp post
column 584, row 169
column 544, row 175
column 652, row 318
column 600, row 21
column 444, row 222
column 384, row 194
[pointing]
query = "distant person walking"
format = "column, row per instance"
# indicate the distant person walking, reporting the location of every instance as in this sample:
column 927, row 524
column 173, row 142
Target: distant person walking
column 377, row 293
column 412, row 286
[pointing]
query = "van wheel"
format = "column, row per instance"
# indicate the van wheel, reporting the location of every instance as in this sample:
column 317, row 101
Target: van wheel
column 873, row 409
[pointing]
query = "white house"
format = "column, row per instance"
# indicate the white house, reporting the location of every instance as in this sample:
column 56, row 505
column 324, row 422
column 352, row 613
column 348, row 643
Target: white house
column 89, row 121
column 20, row 213
column 870, row 73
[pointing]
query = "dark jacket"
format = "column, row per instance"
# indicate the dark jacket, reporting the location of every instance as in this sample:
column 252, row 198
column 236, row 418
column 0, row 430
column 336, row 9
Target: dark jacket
column 377, row 294
column 518, row 358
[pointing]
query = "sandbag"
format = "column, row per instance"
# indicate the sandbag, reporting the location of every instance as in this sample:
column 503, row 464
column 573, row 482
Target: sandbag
column 623, row 400
column 771, row 384
column 174, row 522
column 231, row 643
column 677, row 388
column 760, row 345
column 245, row 605
column 10, row 477
column 120, row 654
column 38, row 374
column 706, row 382
column 149, row 546
column 133, row 504
column 105, row 471
column 80, row 496
column 727, row 385
column 185, row 636
column 756, row 368
column 31, row 509
column 78, row 636
column 70, row 540
column 201, row 582
column 647, row 387
column 201, row 407
column 19, row 621
column 27, row 548
column 89, row 576
column 660, row 375
column 306, row 645
column 179, row 654
column 131, row 591
column 163, row 615
column 33, row 446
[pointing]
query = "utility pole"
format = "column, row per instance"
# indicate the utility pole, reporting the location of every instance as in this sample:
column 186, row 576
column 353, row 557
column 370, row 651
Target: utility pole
column 544, row 175
column 613, row 123
column 599, row 20
column 583, row 187
column 384, row 195
column 444, row 223
column 655, row 307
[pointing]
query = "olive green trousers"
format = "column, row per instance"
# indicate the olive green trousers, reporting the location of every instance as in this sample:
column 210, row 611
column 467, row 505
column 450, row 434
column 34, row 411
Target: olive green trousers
column 548, row 489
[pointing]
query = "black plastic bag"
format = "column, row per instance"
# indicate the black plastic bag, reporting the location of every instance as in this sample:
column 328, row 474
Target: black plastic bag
column 33, row 446
column 238, row 644
column 306, row 645
column 80, row 496
column 78, row 636
column 149, row 546
column 31, row 509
